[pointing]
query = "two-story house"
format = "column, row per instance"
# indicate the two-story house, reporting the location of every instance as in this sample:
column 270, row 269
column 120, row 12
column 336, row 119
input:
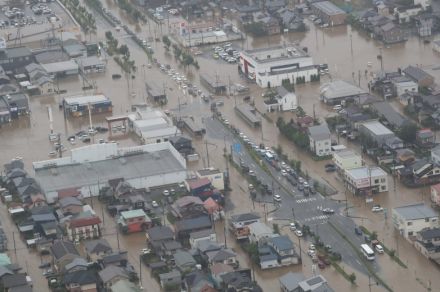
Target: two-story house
column 320, row 140
column 285, row 250
column 95, row 249
column 428, row 243
column 63, row 252
column 83, row 228
column 238, row 224
column 225, row 256
column 410, row 219
column 134, row 221
column 80, row 281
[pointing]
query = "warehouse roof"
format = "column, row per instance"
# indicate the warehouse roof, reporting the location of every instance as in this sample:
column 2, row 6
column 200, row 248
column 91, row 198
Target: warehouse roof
column 328, row 8
column 416, row 211
column 340, row 88
column 129, row 167
column 84, row 100
column 60, row 66
column 377, row 128
column 416, row 73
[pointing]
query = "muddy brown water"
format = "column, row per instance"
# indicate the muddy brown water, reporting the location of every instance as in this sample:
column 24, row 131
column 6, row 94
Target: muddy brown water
column 27, row 137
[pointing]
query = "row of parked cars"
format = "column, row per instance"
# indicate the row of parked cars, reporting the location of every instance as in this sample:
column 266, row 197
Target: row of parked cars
column 226, row 53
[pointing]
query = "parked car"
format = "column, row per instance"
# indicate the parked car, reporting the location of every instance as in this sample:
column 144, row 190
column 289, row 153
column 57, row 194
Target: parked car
column 328, row 211
column 330, row 167
column 377, row 208
column 277, row 198
column 357, row 231
column 298, row 233
column 379, row 248
column 292, row 226
column 154, row 204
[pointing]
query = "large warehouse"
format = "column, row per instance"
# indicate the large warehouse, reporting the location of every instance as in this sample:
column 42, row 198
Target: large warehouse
column 91, row 167
column 270, row 66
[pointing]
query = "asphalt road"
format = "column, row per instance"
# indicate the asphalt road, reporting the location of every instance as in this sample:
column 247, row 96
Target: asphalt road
column 306, row 209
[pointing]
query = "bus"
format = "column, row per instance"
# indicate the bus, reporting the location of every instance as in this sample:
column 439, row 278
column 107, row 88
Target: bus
column 367, row 251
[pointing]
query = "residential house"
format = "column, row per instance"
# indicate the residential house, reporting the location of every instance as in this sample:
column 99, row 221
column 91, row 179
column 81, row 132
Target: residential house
column 419, row 76
column 188, row 207
column 37, row 200
column 217, row 271
column 214, row 175
column 385, row 111
column 13, row 59
column 270, row 24
column 405, row 156
column 376, row 132
column 320, row 140
column 185, row 227
column 225, row 256
column 18, row 104
column 293, row 282
column 428, row 243
column 305, row 121
column 435, row 155
column 338, row 91
column 83, row 228
column 173, row 278
column 425, row 138
column 411, row 219
column 198, row 236
column 260, row 232
column 285, row 250
column 80, row 281
column 404, row 84
column 291, row 20
column 63, row 252
column 184, row 261
column 425, row 171
column 390, row 33
column 214, row 209
column 424, row 24
column 157, row 235
column 14, row 282
column 198, row 281
column 435, row 195
column 240, row 280
column 134, row 221
column 268, row 258
column 77, row 264
column 118, row 258
column 110, row 275
column 283, row 100
column 70, row 205
column 95, row 249
column 168, row 248
column 239, row 224
column 205, row 246
column 50, row 230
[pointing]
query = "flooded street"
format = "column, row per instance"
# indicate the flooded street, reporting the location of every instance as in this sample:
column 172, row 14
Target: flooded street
column 347, row 52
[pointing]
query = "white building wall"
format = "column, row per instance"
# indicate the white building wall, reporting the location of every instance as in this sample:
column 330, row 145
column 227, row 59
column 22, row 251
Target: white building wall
column 411, row 227
column 344, row 163
column 276, row 80
column 321, row 147
column 406, row 87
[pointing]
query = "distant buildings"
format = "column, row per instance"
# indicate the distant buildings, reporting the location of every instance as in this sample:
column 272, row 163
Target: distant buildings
column 268, row 67
column 283, row 100
column 295, row 282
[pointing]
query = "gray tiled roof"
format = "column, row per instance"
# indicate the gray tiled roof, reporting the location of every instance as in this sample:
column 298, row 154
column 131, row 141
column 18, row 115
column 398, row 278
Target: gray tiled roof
column 416, row 211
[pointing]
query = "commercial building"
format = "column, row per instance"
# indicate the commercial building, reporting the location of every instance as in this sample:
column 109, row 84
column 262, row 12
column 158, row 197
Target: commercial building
column 329, row 13
column 411, row 219
column 268, row 67
column 156, row 93
column 339, row 91
column 91, row 167
column 79, row 105
column 61, row 69
column 152, row 126
column 91, row 64
column 213, row 83
column 346, row 159
column 248, row 114
column 366, row 180
column 320, row 140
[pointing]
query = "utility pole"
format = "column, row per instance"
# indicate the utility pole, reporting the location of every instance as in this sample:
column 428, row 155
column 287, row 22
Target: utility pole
column 15, row 247
column 117, row 238
column 207, row 152
column 351, row 44
column 359, row 78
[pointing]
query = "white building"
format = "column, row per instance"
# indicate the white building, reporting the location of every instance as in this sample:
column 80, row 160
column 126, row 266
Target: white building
column 362, row 180
column 152, row 126
column 320, row 140
column 270, row 66
column 260, row 232
column 91, row 167
column 347, row 159
column 435, row 194
column 215, row 176
column 404, row 85
column 339, row 91
column 436, row 46
column 435, row 155
column 424, row 3
column 284, row 100
column 411, row 219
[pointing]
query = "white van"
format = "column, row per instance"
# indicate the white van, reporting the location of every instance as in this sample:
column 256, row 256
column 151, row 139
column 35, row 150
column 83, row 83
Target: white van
column 379, row 248
column 337, row 107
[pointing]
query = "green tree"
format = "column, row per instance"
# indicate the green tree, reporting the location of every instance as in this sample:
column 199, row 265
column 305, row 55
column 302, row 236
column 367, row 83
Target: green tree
column 123, row 50
column 373, row 235
column 276, row 228
column 352, row 278
column 408, row 132
column 166, row 41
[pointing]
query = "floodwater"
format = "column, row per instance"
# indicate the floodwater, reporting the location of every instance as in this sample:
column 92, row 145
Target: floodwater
column 345, row 51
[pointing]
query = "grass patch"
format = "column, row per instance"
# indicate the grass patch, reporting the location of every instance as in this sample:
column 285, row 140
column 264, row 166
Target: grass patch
column 341, row 271
column 388, row 251
column 361, row 257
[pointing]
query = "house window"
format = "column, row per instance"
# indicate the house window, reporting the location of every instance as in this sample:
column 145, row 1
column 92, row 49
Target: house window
column 376, row 181
column 383, row 188
column 409, row 223
column 410, row 233
column 382, row 180
column 426, row 219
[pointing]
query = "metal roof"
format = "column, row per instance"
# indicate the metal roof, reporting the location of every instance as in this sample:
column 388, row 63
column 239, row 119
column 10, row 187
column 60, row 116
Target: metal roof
column 86, row 99
column 60, row 66
column 129, row 167
column 377, row 128
column 133, row 214
column 291, row 280
column 328, row 8
column 365, row 172
column 248, row 112
column 339, row 89
column 416, row 73
column 320, row 132
column 416, row 211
